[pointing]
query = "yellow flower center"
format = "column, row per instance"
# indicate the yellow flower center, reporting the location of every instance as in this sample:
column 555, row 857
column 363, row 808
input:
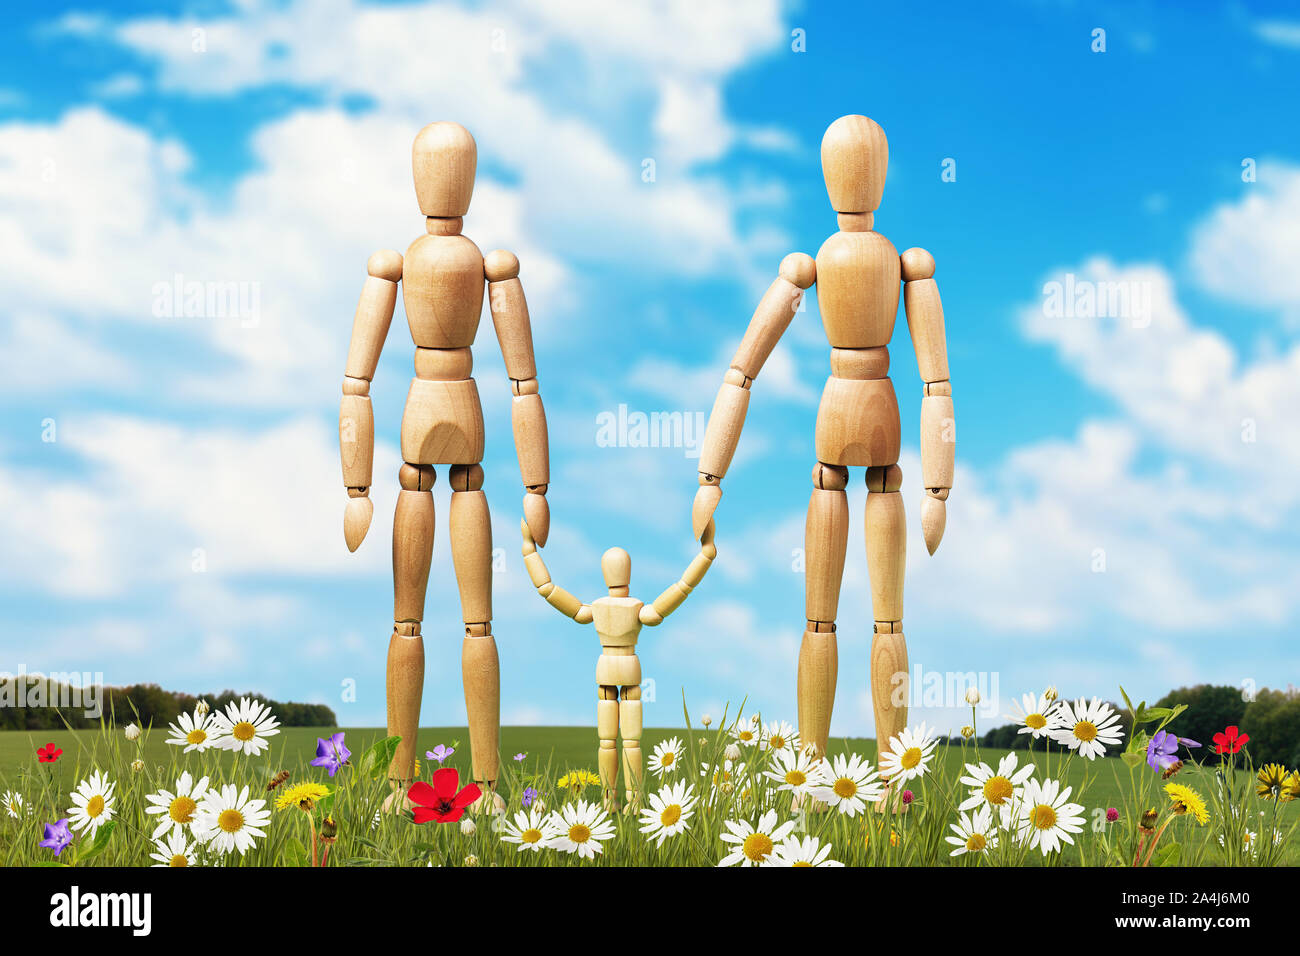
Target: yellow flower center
column 579, row 833
column 845, row 788
column 95, row 806
column 801, row 863
column 1085, row 730
column 196, row 736
column 1043, row 817
column 757, row 846
column 911, row 757
column 232, row 821
column 667, row 759
column 777, row 742
column 179, row 860
column 670, row 815
column 243, row 731
column 182, row 809
column 531, row 835
column 975, row 843
column 1035, row 721
column 745, row 736
column 997, row 790
column 796, row 778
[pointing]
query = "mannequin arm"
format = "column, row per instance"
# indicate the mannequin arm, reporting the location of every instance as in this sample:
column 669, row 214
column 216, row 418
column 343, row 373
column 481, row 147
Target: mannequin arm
column 556, row 596
column 672, row 598
column 356, row 416
column 771, row 319
column 938, row 424
column 527, row 416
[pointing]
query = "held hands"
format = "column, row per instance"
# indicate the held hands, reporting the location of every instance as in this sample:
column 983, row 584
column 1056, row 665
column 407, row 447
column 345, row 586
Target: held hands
column 706, row 502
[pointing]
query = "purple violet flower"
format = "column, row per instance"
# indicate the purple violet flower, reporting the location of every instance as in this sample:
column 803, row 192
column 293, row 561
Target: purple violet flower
column 530, row 794
column 1162, row 750
column 440, row 753
column 331, row 753
column 57, row 836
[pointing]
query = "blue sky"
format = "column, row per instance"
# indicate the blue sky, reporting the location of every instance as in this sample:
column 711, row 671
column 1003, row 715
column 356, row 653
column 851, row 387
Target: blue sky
column 1124, row 490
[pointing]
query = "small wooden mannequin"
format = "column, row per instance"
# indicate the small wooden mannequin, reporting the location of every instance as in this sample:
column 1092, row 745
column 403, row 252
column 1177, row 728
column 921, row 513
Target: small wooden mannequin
column 857, row 272
column 442, row 279
column 618, row 619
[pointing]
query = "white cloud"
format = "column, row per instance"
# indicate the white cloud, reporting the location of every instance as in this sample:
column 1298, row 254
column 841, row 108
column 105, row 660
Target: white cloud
column 1279, row 32
column 1246, row 250
column 160, row 504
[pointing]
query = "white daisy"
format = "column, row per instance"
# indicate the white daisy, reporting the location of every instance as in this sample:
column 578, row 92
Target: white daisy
column 802, row 852
column 796, row 771
column 976, row 833
column 747, row 731
column 227, row 820
column 848, row 784
column 998, row 789
column 580, row 829
column 92, row 803
column 1088, row 727
column 908, row 756
column 669, row 812
column 1036, row 715
column 176, row 810
column 246, row 726
column 780, row 735
column 192, row 733
column 532, row 829
column 754, row 843
column 667, row 757
column 13, row 802
column 1044, row 816
column 173, row 851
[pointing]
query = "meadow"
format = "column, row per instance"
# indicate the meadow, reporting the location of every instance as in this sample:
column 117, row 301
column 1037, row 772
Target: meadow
column 741, row 805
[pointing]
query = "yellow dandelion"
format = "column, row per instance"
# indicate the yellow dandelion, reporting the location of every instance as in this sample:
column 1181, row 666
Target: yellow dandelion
column 1270, row 780
column 1291, row 787
column 301, row 795
column 1187, row 800
column 577, row 779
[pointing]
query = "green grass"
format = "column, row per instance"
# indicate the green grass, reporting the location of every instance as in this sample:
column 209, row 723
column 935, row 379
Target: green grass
column 552, row 751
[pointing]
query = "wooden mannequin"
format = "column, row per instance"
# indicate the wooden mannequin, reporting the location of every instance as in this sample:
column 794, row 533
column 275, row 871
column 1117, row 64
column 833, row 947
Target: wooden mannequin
column 618, row 619
column 442, row 278
column 858, row 272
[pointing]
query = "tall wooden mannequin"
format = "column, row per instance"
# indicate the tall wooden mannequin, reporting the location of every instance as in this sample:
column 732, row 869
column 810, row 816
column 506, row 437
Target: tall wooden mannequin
column 618, row 619
column 442, row 279
column 858, row 273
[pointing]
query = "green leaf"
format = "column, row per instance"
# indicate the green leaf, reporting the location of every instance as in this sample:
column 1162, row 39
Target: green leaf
column 1168, row 855
column 379, row 756
column 100, row 843
column 1131, row 758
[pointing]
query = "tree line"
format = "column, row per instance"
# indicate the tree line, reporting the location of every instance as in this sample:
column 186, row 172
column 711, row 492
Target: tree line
column 1271, row 717
column 31, row 702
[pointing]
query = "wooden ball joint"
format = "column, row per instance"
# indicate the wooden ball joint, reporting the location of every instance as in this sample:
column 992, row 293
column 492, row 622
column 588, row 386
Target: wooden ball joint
column 442, row 278
column 858, row 273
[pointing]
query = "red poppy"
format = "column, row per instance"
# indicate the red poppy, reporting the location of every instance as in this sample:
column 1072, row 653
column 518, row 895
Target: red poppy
column 49, row 753
column 442, row 802
column 1229, row 742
